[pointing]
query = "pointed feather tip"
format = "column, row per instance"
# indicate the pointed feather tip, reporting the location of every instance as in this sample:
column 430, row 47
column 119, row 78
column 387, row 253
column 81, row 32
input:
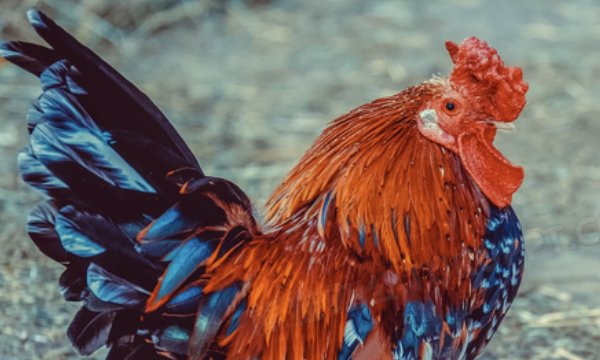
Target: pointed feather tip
column 153, row 301
column 38, row 19
column 12, row 51
column 7, row 50
column 156, row 300
column 189, row 257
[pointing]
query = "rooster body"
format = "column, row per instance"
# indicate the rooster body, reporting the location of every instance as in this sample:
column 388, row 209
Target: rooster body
column 393, row 238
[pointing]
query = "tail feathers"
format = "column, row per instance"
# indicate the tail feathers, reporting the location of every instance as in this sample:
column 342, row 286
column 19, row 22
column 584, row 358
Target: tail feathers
column 139, row 349
column 115, row 290
column 89, row 330
column 213, row 218
column 101, row 81
column 39, row 177
column 127, row 335
column 30, row 57
column 98, row 123
column 185, row 262
column 117, row 171
column 211, row 316
column 131, row 215
column 94, row 238
column 113, row 280
column 68, row 135
column 62, row 131
column 40, row 225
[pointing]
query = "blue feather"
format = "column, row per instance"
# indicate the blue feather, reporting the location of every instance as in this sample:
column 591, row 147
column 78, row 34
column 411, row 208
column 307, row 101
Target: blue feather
column 64, row 111
column 374, row 231
column 60, row 74
column 70, row 135
column 195, row 211
column 72, row 85
column 112, row 289
column 455, row 320
column 500, row 278
column 191, row 254
column 171, row 223
column 172, row 254
column 361, row 234
column 358, row 326
column 74, row 240
column 185, row 302
column 35, row 174
column 159, row 249
column 41, row 228
column 235, row 319
column 46, row 147
column 325, row 210
column 54, row 75
column 89, row 330
column 91, row 235
column 34, row 116
column 210, row 317
column 175, row 338
column 421, row 324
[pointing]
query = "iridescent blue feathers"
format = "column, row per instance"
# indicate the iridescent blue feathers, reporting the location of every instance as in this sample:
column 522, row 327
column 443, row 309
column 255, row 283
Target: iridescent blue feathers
column 112, row 165
column 426, row 329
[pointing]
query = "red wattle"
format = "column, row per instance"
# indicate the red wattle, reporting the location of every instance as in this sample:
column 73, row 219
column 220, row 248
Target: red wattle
column 497, row 178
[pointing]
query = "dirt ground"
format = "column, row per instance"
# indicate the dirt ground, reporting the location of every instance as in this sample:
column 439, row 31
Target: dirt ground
column 250, row 85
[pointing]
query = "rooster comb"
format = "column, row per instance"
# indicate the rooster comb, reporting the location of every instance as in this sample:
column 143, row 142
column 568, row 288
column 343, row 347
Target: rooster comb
column 479, row 69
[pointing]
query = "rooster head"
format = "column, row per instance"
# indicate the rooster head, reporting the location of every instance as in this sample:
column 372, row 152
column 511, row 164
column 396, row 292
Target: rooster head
column 480, row 96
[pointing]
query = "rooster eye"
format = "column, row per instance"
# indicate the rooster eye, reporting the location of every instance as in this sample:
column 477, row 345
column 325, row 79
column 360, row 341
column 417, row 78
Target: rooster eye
column 450, row 106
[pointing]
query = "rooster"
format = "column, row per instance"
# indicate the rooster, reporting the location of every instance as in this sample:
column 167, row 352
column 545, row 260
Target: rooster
column 393, row 238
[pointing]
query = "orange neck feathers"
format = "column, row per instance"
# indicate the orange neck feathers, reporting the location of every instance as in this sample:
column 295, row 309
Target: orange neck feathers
column 375, row 183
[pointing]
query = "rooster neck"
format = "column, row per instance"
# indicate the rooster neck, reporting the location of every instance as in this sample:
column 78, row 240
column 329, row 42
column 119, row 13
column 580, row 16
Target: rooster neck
column 372, row 181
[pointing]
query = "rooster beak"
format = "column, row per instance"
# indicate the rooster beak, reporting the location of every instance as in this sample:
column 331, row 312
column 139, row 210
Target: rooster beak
column 501, row 125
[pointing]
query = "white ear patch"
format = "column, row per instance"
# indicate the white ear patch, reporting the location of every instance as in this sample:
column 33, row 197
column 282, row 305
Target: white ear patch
column 430, row 121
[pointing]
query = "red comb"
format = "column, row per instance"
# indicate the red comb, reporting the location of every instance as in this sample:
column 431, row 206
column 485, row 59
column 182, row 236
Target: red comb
column 478, row 68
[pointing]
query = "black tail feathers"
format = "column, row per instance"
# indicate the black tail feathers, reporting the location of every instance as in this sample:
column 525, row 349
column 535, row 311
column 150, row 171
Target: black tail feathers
column 130, row 213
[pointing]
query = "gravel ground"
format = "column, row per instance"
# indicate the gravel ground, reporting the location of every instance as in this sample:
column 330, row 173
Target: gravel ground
column 250, row 86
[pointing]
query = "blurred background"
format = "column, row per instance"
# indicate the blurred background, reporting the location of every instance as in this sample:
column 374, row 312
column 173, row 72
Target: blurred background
column 250, row 84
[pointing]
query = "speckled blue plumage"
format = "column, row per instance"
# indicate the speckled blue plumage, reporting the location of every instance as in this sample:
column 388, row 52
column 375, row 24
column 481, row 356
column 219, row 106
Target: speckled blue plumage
column 422, row 324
